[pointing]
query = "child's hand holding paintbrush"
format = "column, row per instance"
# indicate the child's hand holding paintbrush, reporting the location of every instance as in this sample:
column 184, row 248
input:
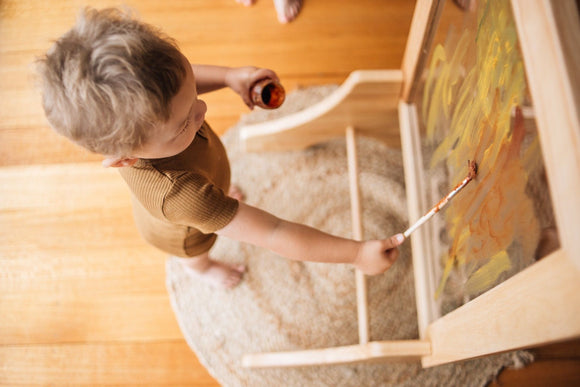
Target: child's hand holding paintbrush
column 366, row 259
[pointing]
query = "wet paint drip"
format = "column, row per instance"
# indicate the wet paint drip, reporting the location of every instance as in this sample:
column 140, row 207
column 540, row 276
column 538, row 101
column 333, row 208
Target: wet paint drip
column 469, row 96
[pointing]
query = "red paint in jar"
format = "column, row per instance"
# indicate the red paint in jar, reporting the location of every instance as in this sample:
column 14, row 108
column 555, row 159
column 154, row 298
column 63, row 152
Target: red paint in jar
column 268, row 94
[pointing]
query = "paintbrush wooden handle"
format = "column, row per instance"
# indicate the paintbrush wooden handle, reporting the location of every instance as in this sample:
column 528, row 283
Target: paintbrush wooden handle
column 442, row 203
column 419, row 223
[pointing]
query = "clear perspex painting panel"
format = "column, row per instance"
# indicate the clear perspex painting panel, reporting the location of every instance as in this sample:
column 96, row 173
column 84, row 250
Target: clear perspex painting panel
column 474, row 104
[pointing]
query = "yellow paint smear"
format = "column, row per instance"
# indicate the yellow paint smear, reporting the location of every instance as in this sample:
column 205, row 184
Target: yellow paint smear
column 487, row 275
column 470, row 118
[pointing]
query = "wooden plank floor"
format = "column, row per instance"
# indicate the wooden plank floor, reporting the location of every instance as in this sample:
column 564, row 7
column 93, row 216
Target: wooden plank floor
column 82, row 298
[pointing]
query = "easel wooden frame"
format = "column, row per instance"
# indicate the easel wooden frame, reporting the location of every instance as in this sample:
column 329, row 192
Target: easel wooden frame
column 536, row 306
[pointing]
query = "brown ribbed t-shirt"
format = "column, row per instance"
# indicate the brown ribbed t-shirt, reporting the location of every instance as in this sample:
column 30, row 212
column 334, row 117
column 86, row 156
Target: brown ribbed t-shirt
column 179, row 202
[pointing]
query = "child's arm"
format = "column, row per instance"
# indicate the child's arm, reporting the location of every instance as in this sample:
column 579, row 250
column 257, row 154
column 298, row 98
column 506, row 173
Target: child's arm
column 303, row 243
column 239, row 79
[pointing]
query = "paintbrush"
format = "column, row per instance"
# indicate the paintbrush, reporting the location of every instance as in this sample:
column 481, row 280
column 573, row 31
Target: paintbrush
column 472, row 166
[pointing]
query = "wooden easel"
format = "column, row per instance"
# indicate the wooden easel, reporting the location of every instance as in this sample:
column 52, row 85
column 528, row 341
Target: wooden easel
column 538, row 305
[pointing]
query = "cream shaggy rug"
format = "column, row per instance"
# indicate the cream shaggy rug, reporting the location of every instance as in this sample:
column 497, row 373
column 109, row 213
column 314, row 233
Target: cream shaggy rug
column 283, row 305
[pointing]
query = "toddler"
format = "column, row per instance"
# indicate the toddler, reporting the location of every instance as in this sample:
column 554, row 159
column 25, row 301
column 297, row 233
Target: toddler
column 121, row 88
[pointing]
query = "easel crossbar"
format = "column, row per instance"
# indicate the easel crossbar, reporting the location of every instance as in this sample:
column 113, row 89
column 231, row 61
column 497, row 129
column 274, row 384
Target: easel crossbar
column 398, row 350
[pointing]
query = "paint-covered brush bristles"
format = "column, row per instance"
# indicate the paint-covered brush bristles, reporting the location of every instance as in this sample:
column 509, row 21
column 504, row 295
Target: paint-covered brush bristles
column 472, row 167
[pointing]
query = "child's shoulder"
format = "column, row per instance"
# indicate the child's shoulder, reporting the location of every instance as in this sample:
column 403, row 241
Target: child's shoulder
column 152, row 172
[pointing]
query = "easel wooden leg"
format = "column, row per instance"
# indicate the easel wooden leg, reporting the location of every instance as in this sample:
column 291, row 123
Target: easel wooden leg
column 424, row 263
column 357, row 231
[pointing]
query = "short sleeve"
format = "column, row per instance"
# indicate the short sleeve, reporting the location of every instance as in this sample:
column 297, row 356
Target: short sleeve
column 196, row 202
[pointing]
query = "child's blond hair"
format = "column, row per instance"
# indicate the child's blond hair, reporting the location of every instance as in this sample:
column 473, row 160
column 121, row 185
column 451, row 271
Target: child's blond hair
column 108, row 81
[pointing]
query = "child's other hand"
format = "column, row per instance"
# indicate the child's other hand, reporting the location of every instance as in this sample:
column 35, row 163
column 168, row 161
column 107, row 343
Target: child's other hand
column 376, row 257
column 241, row 79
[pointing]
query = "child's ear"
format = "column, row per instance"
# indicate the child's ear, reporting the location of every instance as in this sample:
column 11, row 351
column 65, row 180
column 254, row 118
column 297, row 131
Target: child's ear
column 119, row 162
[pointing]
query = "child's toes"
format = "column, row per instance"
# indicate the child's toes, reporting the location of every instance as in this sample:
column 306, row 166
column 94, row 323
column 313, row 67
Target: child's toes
column 233, row 279
column 236, row 193
column 247, row 3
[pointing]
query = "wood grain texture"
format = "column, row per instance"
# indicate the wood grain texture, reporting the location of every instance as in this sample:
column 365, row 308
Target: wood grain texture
column 423, row 29
column 149, row 363
column 71, row 254
column 404, row 350
column 327, row 42
column 549, row 36
column 534, row 307
column 424, row 268
column 358, row 234
column 554, row 365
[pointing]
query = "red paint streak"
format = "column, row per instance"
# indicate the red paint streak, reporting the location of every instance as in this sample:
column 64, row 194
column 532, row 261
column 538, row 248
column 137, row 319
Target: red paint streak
column 470, row 176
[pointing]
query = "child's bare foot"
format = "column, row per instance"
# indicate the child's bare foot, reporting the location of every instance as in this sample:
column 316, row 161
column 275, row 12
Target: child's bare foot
column 287, row 10
column 217, row 274
column 236, row 193
column 221, row 275
column 247, row 3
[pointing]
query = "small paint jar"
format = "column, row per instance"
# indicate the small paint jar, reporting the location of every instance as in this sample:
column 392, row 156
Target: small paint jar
column 268, row 94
